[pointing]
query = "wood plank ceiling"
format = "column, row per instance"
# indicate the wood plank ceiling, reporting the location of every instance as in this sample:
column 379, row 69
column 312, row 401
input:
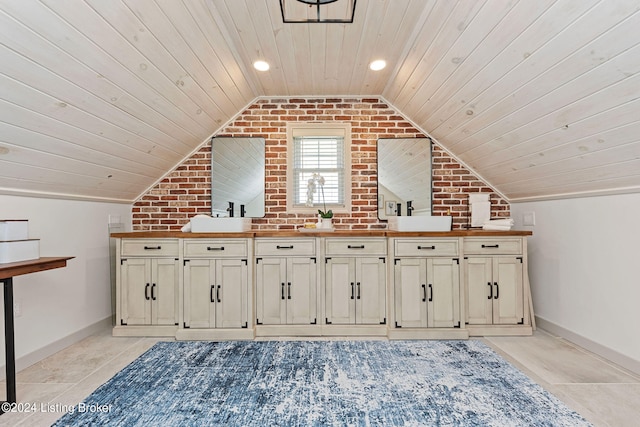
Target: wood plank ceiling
column 100, row 99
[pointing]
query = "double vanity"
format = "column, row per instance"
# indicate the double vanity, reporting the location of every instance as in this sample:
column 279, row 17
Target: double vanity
column 400, row 285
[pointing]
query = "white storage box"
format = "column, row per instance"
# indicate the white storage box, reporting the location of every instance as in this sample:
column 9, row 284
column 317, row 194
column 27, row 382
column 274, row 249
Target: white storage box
column 14, row 229
column 19, row 250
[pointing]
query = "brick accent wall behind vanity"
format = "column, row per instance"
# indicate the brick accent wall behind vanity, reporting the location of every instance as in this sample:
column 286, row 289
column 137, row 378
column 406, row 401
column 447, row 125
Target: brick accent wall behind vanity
column 186, row 191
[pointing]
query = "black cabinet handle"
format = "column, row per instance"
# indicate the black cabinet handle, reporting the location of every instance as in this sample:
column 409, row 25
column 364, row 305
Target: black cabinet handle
column 424, row 293
column 427, row 247
column 352, row 290
column 213, row 248
column 146, row 292
column 284, row 247
column 430, row 292
column 355, row 246
column 490, row 290
column 218, row 294
column 153, row 292
column 282, row 290
column 497, row 290
column 358, row 285
column 490, row 246
column 288, row 290
column 211, row 294
column 152, row 248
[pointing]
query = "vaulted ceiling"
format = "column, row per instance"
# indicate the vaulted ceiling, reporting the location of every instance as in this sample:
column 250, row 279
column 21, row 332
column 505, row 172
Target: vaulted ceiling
column 100, row 99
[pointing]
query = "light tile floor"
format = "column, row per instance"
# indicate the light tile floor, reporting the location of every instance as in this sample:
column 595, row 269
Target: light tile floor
column 603, row 393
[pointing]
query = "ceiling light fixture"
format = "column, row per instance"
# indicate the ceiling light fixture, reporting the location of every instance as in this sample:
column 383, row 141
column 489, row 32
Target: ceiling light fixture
column 378, row 65
column 261, row 65
column 302, row 11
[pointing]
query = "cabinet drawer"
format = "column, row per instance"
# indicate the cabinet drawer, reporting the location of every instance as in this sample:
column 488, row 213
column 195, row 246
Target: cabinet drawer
column 149, row 247
column 215, row 248
column 355, row 246
column 285, row 247
column 497, row 246
column 425, row 248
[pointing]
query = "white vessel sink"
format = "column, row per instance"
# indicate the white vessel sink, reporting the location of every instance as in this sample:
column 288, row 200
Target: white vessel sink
column 207, row 224
column 420, row 223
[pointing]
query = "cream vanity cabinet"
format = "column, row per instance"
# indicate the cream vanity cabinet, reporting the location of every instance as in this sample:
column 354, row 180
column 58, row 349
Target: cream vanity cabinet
column 286, row 283
column 147, row 286
column 355, row 281
column 496, row 285
column 426, row 284
column 216, row 284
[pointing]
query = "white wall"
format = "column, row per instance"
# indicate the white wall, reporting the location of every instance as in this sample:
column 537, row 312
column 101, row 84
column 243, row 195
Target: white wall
column 584, row 260
column 58, row 305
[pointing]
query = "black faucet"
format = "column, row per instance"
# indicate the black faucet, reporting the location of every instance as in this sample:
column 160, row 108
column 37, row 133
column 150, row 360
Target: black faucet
column 230, row 209
column 398, row 209
column 409, row 207
column 242, row 211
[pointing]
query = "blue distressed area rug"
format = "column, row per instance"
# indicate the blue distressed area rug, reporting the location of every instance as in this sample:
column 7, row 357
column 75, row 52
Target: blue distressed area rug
column 321, row 383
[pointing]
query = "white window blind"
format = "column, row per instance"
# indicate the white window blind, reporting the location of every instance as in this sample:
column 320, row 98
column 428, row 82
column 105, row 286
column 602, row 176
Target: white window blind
column 323, row 155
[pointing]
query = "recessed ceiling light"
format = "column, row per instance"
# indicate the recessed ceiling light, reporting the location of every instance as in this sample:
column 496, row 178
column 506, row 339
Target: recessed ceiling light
column 378, row 65
column 261, row 66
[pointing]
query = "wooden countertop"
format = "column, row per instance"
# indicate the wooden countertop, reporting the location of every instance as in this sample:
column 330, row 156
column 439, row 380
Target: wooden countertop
column 319, row 233
column 19, row 268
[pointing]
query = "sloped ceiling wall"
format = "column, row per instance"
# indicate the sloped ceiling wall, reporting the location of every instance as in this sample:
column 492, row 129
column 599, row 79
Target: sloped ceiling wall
column 102, row 99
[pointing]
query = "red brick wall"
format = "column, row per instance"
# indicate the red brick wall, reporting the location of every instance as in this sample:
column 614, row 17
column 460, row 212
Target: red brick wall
column 186, row 191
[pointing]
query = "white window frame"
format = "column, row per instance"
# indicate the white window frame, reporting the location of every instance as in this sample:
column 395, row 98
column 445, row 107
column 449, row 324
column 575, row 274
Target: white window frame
column 342, row 130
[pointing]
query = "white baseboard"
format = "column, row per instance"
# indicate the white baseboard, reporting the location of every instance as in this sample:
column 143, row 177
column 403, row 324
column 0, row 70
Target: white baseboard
column 618, row 358
column 46, row 351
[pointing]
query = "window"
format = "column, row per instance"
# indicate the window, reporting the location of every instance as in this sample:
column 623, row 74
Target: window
column 319, row 151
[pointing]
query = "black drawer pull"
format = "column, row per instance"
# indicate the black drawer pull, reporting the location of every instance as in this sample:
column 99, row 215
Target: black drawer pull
column 358, row 285
column 424, row 293
column 154, row 248
column 288, row 290
column 211, row 294
column 490, row 246
column 430, row 292
column 497, row 295
column 352, row 290
column 213, row 248
column 427, row 247
column 284, row 247
column 282, row 290
column 153, row 292
column 146, row 292
column 355, row 246
column 490, row 290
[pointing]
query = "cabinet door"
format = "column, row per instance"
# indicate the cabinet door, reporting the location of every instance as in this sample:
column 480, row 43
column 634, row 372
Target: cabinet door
column 410, row 283
column 508, row 306
column 479, row 290
column 341, row 291
column 271, row 275
column 199, row 293
column 135, row 277
column 443, row 292
column 301, row 291
column 231, row 293
column 164, row 291
column 370, row 290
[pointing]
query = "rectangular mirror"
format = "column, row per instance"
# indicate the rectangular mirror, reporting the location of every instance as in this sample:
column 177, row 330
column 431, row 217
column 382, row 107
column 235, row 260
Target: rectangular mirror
column 237, row 177
column 404, row 175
